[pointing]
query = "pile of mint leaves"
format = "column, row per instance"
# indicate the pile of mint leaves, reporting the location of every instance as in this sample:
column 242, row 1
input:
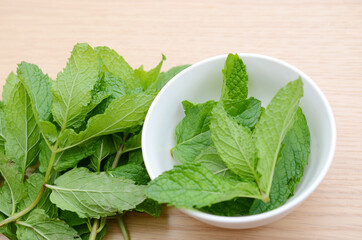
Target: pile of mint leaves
column 237, row 157
column 70, row 148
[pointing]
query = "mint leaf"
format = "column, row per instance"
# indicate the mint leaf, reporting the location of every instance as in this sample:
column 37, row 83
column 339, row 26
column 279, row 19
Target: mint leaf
column 192, row 133
column 2, row 128
column 99, row 93
column 72, row 219
column 102, row 150
column 190, row 185
column 195, row 122
column 235, row 79
column 293, row 157
column 150, row 77
column 68, row 158
column 234, row 143
column 122, row 114
column 245, row 112
column 188, row 150
column 115, row 84
column 271, row 129
column 95, row 194
column 10, row 83
column 73, row 87
column 135, row 172
column 33, row 185
column 133, row 143
column 234, row 207
column 210, row 159
column 135, row 157
column 115, row 64
column 164, row 77
column 13, row 190
column 38, row 225
column 150, row 207
column 22, row 132
column 8, row 230
column 37, row 85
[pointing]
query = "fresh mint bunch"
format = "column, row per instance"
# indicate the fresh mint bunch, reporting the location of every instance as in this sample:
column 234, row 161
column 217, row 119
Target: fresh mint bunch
column 70, row 148
column 237, row 157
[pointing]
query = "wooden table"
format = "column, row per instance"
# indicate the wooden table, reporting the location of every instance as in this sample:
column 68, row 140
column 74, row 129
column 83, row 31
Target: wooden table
column 322, row 38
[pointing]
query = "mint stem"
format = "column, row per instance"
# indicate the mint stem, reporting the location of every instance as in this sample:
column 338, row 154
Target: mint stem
column 123, row 227
column 119, row 153
column 40, row 194
column 93, row 234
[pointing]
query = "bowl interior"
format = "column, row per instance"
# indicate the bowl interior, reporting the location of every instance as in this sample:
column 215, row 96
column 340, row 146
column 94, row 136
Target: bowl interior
column 203, row 81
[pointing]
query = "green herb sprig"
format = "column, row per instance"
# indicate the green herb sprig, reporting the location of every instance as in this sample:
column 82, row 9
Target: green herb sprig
column 70, row 148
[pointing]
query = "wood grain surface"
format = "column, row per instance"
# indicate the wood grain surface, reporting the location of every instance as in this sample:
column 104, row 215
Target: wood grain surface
column 322, row 38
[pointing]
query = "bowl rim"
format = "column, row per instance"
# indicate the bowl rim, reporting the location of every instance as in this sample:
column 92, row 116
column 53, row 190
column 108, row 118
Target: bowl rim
column 285, row 208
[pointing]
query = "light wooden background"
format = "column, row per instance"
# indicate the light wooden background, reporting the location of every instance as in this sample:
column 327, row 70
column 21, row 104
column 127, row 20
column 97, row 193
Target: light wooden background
column 322, row 38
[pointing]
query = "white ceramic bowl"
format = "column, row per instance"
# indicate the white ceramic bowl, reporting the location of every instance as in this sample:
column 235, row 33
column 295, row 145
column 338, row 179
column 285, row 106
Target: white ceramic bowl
column 202, row 82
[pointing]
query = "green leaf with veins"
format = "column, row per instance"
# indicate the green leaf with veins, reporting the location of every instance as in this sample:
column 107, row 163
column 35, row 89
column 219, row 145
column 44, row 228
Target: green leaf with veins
column 234, row 143
column 2, row 128
column 95, row 195
column 39, row 225
column 22, row 132
column 139, row 175
column 133, row 143
column 192, row 133
column 99, row 93
column 115, row 84
column 191, row 185
column 233, row 207
column 210, row 159
column 72, row 91
column 37, row 85
column 245, row 112
column 102, row 150
column 8, row 230
column 164, row 77
column 292, row 159
column 195, row 122
column 235, row 79
column 188, row 150
column 150, row 77
column 115, row 64
column 13, row 190
column 68, row 158
column 33, row 185
column 271, row 129
column 135, row 172
column 11, row 81
column 122, row 115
